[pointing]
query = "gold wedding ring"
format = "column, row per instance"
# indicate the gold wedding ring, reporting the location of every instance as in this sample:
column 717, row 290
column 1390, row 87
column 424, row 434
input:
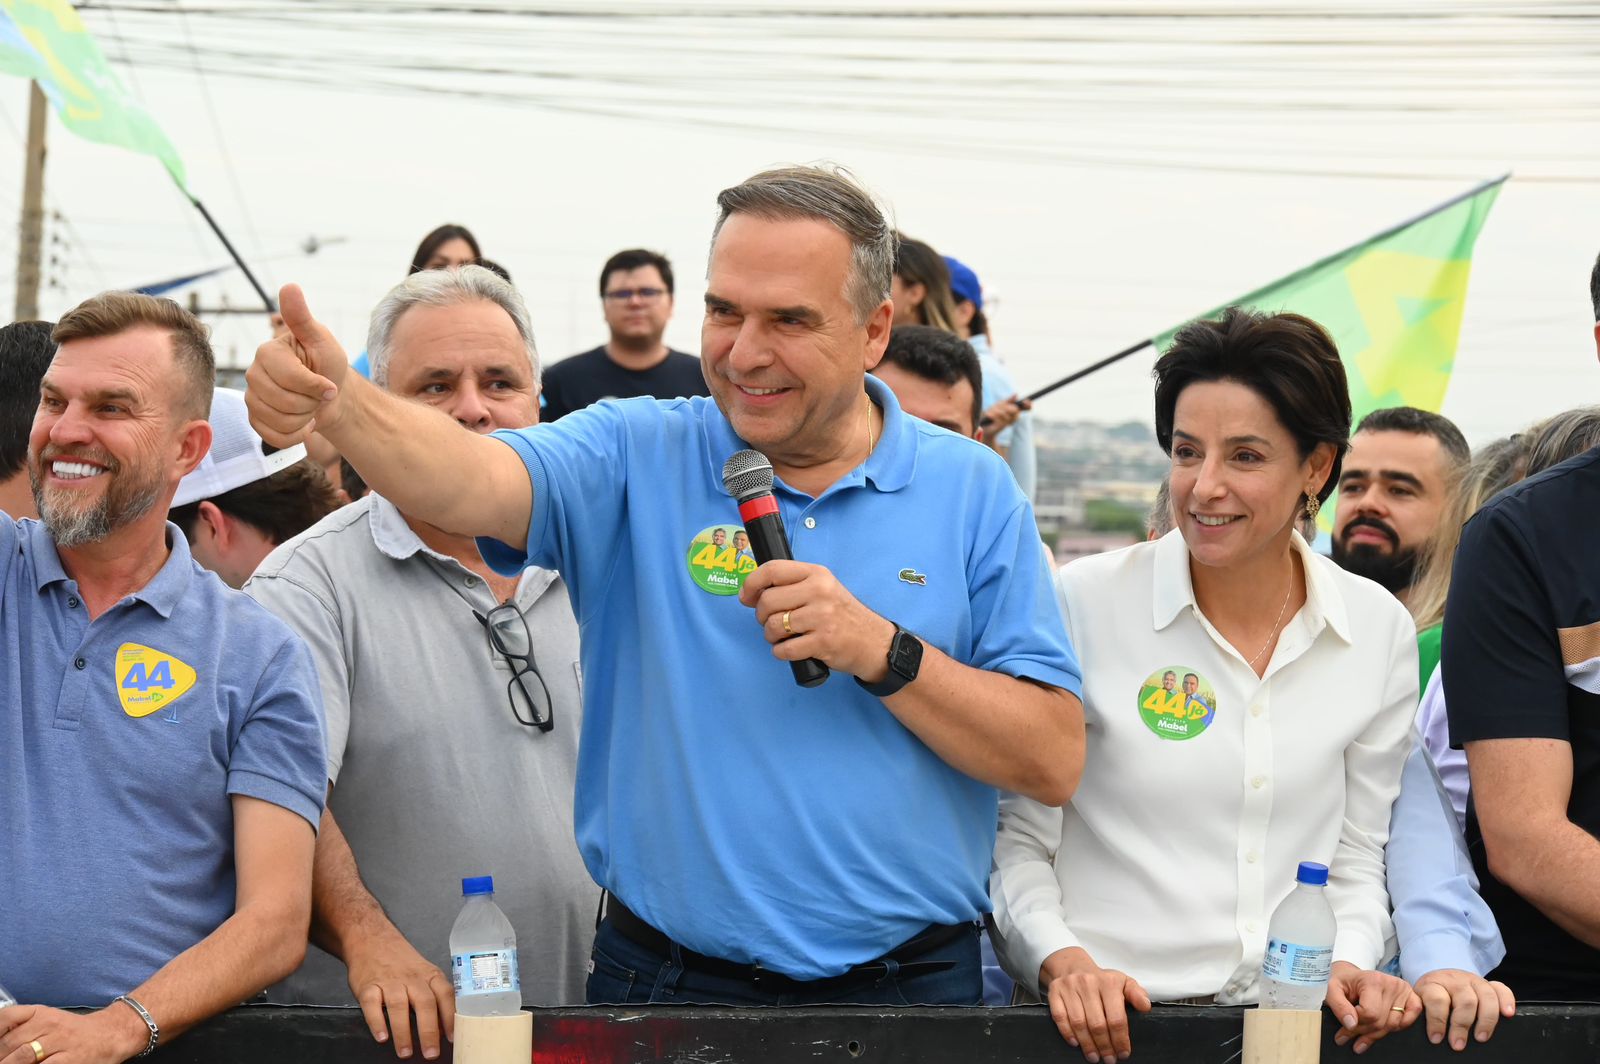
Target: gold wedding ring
column 786, row 629
column 38, row 1052
column 1397, row 1008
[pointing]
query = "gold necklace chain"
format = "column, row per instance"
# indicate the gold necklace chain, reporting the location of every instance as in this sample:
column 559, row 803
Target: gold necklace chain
column 1279, row 621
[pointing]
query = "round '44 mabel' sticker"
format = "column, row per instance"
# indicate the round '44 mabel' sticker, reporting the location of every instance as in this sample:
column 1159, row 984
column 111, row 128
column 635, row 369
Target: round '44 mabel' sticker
column 719, row 559
column 1177, row 703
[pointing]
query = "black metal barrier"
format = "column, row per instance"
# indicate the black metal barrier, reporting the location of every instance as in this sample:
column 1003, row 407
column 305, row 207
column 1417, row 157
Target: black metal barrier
column 261, row 1034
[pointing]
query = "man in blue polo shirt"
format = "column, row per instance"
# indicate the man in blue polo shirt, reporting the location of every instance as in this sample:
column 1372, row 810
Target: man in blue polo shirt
column 161, row 752
column 763, row 843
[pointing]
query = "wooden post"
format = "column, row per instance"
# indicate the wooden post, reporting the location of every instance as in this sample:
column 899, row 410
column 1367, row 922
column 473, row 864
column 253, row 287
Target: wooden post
column 1282, row 1036
column 30, row 229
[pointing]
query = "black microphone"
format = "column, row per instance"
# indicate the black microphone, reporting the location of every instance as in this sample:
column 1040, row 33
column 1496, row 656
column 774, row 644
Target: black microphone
column 748, row 478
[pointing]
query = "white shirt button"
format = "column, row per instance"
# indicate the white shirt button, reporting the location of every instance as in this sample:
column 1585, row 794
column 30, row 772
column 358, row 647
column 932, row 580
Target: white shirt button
column 1252, row 857
column 1250, row 925
column 1259, row 782
column 471, row 581
column 1255, row 710
column 811, row 522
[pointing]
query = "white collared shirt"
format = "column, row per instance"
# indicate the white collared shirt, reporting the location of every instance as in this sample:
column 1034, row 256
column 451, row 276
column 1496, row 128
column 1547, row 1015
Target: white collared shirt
column 1194, row 809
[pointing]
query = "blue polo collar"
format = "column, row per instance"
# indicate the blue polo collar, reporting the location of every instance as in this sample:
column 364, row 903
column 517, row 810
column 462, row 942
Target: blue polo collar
column 888, row 468
column 162, row 593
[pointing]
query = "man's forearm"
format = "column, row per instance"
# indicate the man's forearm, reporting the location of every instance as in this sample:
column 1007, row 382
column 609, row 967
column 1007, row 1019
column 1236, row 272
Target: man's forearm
column 1555, row 865
column 1016, row 735
column 425, row 464
column 250, row 951
column 343, row 911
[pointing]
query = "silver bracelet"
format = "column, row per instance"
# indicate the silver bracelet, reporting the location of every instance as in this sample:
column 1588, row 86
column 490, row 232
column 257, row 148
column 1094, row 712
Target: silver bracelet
column 155, row 1031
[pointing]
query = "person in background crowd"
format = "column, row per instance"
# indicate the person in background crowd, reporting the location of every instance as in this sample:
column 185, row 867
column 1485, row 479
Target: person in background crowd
column 25, row 353
column 160, row 741
column 351, row 487
column 1495, row 467
column 446, row 757
column 935, row 376
column 1562, row 436
column 448, row 246
column 1008, row 417
column 636, row 296
column 1445, row 933
column 1402, row 468
column 496, row 269
column 1254, row 412
column 1158, row 521
column 920, row 289
column 834, row 842
column 1522, row 675
column 241, row 502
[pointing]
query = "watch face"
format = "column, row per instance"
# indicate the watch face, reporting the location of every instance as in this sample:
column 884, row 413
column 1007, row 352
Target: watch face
column 906, row 655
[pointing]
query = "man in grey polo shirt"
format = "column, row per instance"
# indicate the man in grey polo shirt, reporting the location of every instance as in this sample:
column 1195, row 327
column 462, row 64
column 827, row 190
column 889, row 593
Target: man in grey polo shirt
column 442, row 761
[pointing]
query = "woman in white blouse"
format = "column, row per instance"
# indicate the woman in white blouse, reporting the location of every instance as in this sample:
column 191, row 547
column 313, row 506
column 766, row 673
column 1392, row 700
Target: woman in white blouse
column 1249, row 707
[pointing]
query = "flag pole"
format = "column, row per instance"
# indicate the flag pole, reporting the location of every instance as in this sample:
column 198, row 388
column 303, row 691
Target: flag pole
column 1319, row 264
column 266, row 300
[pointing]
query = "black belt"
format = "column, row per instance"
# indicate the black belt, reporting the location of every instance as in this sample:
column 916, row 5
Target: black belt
column 927, row 940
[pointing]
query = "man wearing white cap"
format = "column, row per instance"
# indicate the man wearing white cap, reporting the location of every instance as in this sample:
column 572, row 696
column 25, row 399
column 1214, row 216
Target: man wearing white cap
column 240, row 502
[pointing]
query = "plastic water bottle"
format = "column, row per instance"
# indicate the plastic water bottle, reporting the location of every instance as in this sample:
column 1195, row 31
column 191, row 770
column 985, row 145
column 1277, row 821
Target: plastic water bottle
column 483, row 954
column 7, row 998
column 1299, row 958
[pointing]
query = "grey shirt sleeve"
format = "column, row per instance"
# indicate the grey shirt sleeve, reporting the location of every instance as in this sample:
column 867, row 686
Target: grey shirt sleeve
column 306, row 605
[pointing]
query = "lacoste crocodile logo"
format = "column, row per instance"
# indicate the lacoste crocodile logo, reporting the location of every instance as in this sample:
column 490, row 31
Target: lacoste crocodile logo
column 911, row 576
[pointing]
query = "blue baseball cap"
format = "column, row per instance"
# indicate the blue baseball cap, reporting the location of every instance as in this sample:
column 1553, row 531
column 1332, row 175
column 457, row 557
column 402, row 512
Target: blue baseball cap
column 964, row 283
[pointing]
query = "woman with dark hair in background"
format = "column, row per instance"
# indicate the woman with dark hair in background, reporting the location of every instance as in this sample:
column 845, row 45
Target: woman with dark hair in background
column 1283, row 744
column 920, row 290
column 920, row 286
column 448, row 245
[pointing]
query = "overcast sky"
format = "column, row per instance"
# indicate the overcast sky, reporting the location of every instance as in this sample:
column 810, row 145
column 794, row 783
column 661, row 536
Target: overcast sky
column 1109, row 170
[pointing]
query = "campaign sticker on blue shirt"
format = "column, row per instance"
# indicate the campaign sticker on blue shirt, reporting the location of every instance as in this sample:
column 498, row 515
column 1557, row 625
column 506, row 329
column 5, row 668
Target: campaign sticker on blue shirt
column 719, row 559
column 149, row 681
column 1177, row 703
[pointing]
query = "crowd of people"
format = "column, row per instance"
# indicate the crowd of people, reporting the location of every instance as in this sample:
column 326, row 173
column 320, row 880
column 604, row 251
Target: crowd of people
column 281, row 667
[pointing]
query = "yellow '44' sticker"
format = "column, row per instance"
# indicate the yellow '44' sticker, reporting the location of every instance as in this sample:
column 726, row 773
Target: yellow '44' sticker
column 149, row 681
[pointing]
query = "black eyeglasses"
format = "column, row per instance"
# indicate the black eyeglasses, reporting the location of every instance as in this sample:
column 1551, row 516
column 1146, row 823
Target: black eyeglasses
column 510, row 638
column 624, row 295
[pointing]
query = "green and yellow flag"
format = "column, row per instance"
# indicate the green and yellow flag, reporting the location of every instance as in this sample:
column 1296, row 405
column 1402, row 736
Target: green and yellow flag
column 1393, row 303
column 46, row 41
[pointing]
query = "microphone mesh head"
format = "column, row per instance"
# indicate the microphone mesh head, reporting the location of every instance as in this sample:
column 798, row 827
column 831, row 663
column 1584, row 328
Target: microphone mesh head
column 747, row 474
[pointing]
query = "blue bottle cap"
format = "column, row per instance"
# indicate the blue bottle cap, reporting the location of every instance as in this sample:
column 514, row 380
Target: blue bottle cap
column 1312, row 873
column 485, row 884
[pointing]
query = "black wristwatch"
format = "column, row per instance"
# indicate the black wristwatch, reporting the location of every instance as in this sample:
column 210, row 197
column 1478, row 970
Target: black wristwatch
column 905, row 658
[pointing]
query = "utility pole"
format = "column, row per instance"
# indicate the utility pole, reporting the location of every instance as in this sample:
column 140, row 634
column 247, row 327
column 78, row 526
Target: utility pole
column 30, row 230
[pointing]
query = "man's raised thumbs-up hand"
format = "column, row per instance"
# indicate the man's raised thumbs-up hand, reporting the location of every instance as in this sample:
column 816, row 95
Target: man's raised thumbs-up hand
column 294, row 384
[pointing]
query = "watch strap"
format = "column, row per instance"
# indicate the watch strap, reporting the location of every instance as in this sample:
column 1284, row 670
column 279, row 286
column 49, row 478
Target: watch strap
column 894, row 679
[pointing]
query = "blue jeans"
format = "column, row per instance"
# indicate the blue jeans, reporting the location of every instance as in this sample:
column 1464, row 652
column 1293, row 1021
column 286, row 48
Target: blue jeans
column 622, row 972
